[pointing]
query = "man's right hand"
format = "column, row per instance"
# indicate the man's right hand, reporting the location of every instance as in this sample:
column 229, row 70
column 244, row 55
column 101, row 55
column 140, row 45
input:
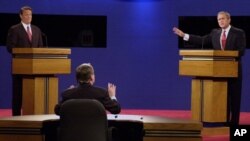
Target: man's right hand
column 111, row 90
column 178, row 32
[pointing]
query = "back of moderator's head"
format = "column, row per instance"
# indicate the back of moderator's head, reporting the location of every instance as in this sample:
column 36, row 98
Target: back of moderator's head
column 84, row 72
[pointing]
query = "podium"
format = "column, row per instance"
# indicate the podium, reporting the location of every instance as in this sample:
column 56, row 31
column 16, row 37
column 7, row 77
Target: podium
column 39, row 67
column 210, row 70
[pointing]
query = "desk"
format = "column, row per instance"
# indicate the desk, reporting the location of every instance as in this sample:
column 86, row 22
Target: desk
column 148, row 128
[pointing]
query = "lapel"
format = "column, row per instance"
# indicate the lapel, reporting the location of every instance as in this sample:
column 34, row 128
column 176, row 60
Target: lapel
column 229, row 38
column 32, row 33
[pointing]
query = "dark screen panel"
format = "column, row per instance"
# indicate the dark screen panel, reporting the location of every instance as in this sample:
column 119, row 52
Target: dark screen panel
column 63, row 30
column 202, row 25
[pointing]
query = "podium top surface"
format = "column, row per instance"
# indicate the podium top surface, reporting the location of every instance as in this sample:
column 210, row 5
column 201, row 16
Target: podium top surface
column 212, row 53
column 62, row 51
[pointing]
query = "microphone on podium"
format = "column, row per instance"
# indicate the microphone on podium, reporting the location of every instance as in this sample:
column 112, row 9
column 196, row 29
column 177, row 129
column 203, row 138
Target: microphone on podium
column 202, row 41
column 45, row 40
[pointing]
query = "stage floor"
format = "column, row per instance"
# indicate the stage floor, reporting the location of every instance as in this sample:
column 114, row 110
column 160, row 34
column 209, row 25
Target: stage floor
column 244, row 116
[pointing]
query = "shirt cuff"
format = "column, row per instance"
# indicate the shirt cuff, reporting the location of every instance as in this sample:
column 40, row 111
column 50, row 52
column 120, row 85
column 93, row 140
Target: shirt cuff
column 113, row 98
column 186, row 37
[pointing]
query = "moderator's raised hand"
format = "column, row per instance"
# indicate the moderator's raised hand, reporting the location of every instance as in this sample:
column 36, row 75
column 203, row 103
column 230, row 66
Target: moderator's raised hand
column 111, row 89
column 178, row 32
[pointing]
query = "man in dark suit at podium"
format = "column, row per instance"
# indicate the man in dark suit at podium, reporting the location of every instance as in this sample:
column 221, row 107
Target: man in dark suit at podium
column 226, row 37
column 22, row 35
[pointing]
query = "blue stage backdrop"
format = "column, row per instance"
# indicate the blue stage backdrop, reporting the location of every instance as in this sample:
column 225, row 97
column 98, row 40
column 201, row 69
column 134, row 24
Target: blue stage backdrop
column 142, row 54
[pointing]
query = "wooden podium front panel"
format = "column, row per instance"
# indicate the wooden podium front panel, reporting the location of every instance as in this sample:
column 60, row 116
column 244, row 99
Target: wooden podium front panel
column 209, row 100
column 40, row 95
column 215, row 101
column 33, row 88
column 196, row 100
column 41, row 66
column 52, row 94
column 208, row 68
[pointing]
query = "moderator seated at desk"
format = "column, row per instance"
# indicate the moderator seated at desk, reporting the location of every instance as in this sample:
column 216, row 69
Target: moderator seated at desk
column 128, row 127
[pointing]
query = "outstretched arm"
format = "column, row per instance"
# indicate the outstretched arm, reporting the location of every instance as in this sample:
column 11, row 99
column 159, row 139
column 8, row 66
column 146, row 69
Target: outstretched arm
column 178, row 32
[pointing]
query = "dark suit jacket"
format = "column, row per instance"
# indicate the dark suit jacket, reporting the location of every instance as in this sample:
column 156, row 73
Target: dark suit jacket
column 236, row 39
column 18, row 37
column 87, row 91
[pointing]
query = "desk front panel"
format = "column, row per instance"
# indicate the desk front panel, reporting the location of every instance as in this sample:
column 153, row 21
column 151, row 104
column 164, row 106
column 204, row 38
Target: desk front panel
column 126, row 127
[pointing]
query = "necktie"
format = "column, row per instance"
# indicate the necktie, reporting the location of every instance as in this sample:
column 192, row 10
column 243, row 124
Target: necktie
column 223, row 40
column 29, row 33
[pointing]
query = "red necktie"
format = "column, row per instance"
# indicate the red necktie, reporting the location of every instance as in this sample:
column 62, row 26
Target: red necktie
column 29, row 33
column 223, row 40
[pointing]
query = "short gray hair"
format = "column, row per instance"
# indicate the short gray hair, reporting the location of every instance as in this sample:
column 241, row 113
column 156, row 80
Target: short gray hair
column 225, row 13
column 84, row 72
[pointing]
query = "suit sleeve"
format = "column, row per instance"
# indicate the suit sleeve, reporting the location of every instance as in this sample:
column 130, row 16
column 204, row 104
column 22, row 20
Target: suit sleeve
column 11, row 40
column 57, row 107
column 111, row 105
column 40, row 39
column 241, row 42
column 200, row 40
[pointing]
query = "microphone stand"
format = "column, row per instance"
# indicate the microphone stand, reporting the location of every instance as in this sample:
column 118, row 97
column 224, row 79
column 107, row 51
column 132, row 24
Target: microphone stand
column 202, row 41
column 46, row 40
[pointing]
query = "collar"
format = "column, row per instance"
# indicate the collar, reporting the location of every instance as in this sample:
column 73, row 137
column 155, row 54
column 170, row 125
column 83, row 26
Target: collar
column 227, row 29
column 84, row 84
column 25, row 25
